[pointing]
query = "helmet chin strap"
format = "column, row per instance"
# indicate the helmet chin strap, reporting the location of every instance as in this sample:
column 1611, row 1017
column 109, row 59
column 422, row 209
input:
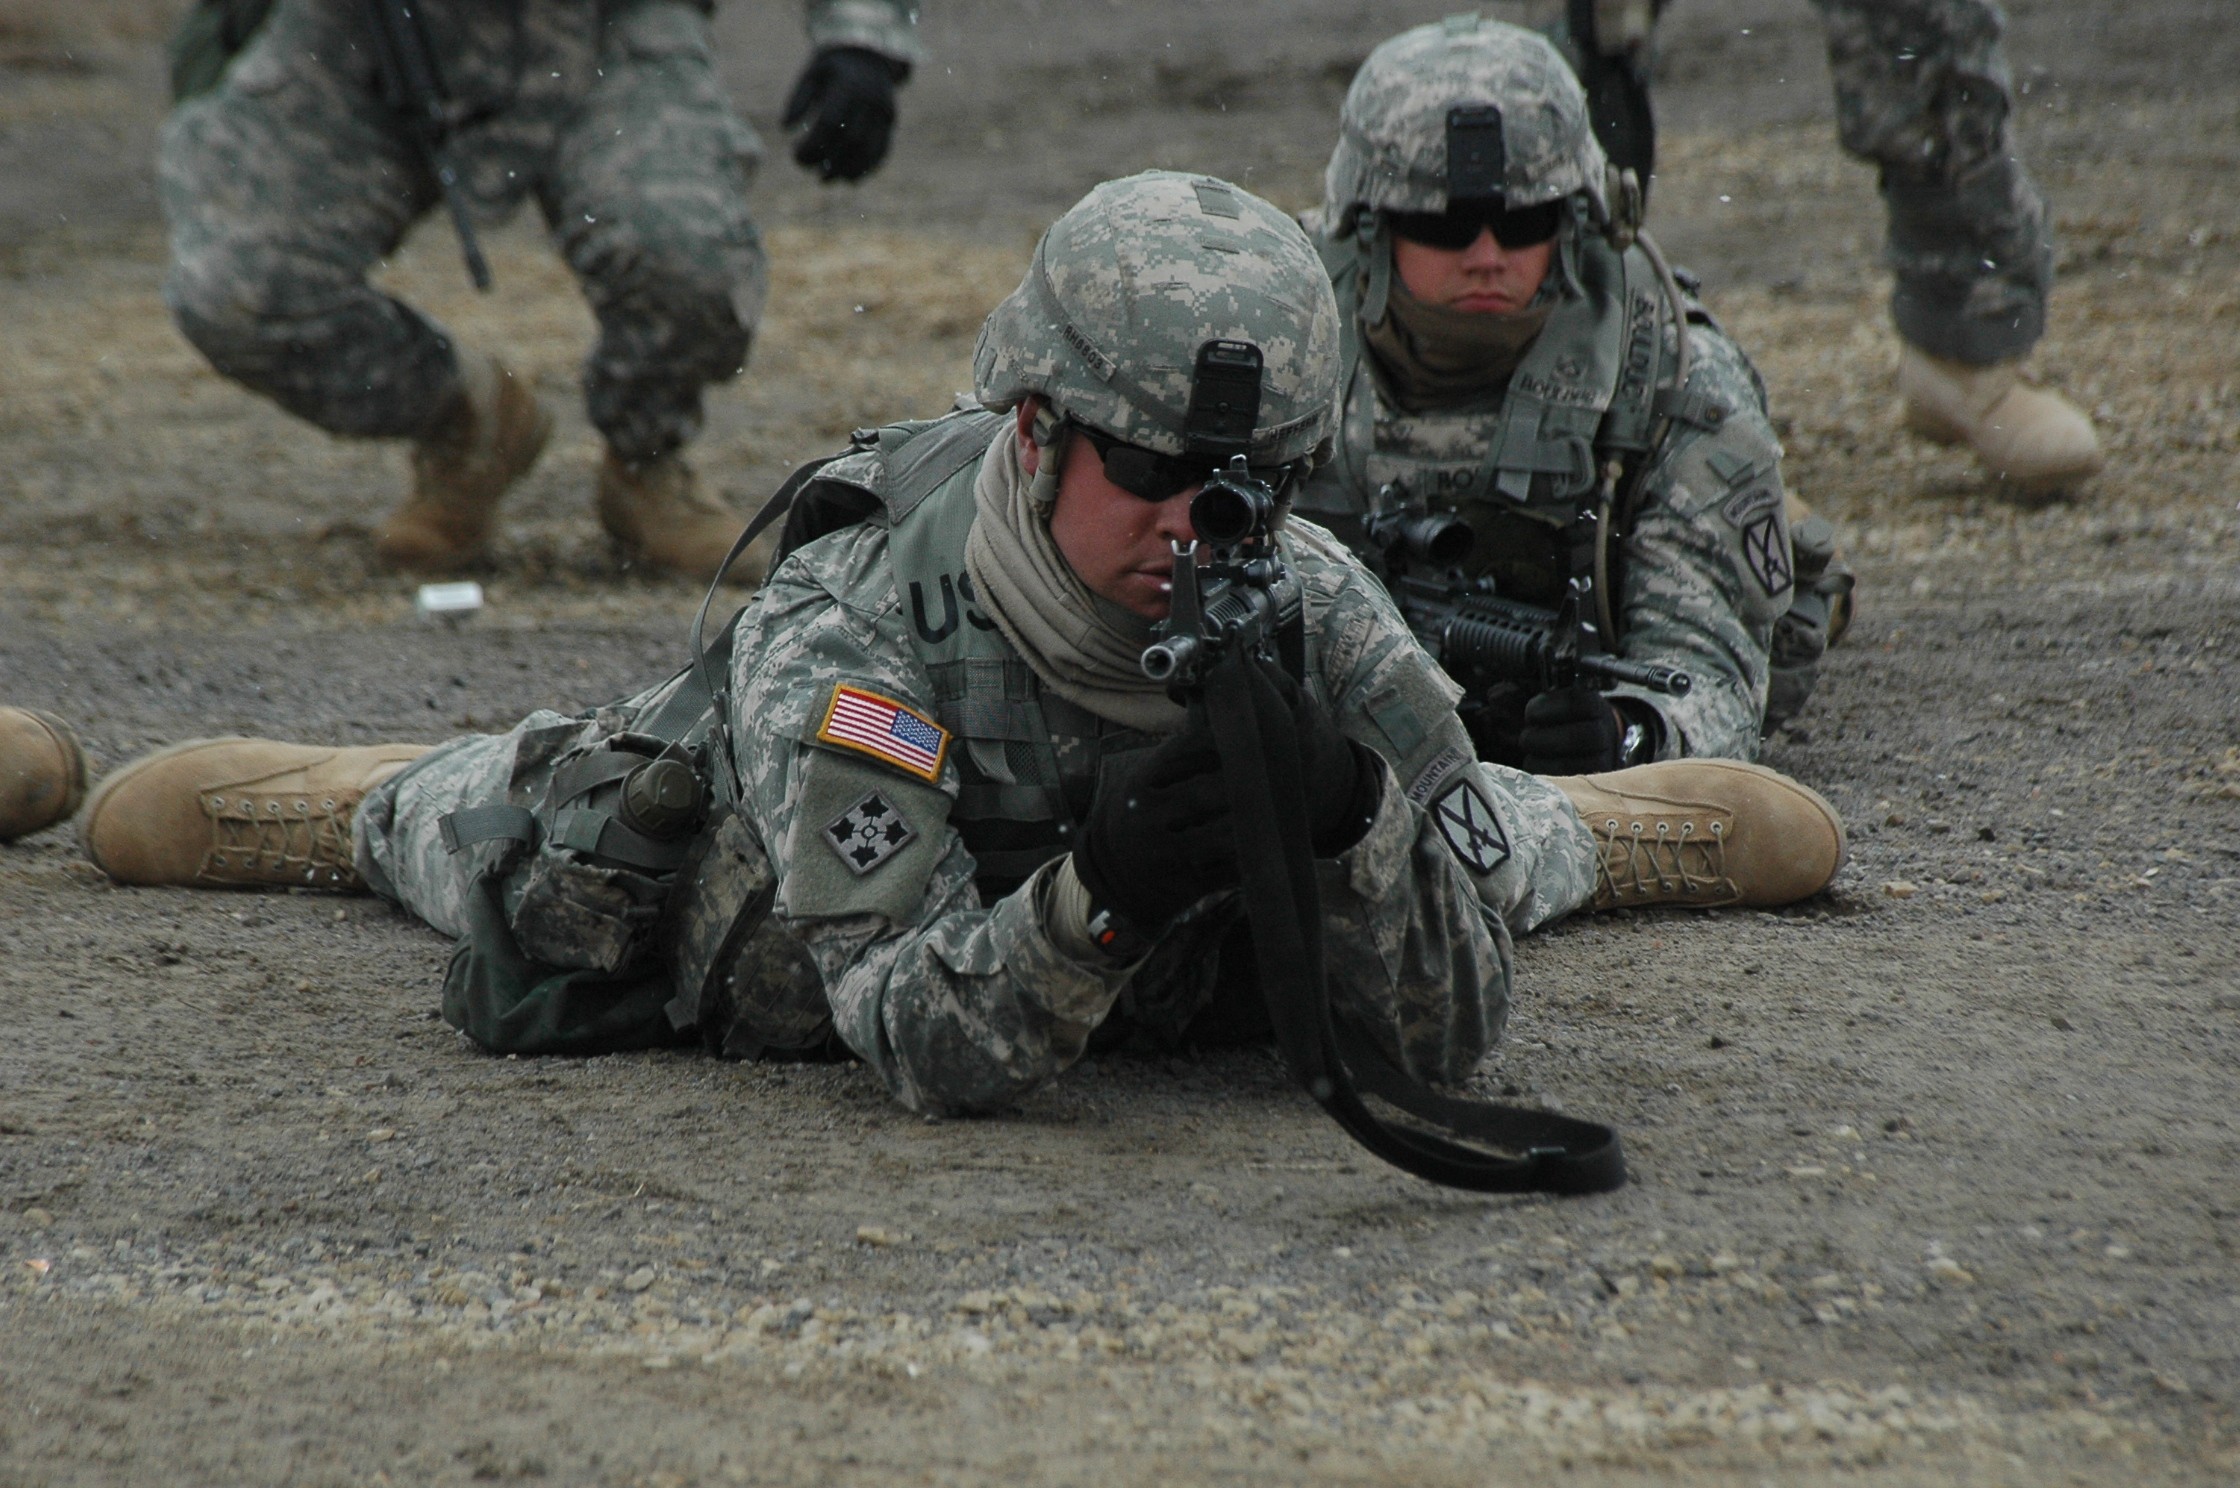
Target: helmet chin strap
column 1570, row 278
column 1051, row 436
column 1373, row 241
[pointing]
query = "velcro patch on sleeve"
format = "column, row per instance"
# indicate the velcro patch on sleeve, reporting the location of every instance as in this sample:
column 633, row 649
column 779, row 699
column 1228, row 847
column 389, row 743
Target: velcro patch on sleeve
column 1466, row 819
column 868, row 833
column 1765, row 547
column 893, row 733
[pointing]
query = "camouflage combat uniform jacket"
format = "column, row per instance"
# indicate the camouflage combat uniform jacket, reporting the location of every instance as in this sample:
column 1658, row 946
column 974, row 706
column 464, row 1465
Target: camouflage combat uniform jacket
column 1702, row 567
column 914, row 875
column 941, row 975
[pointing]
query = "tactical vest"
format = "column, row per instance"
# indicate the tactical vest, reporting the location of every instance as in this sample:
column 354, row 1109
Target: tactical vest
column 1580, row 413
column 1027, row 760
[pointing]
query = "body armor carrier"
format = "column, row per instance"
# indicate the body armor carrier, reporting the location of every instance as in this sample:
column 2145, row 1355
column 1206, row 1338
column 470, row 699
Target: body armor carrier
column 1546, row 472
column 1581, row 412
column 1542, row 471
column 1028, row 762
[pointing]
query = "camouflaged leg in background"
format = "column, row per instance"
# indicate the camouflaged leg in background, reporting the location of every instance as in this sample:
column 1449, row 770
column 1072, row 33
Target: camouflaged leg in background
column 282, row 187
column 648, row 201
column 1923, row 90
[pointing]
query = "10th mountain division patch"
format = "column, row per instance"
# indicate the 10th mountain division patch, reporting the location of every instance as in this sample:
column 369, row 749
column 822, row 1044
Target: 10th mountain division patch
column 1474, row 834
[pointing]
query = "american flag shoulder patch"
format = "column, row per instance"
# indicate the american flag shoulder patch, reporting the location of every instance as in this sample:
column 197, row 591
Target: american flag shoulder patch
column 890, row 732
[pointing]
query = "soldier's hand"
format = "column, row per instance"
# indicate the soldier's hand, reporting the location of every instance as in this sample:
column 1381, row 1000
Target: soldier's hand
column 1157, row 838
column 845, row 98
column 1571, row 731
column 1342, row 780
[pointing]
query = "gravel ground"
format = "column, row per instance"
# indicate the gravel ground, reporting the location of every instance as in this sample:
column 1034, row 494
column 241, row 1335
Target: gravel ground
column 1934, row 1176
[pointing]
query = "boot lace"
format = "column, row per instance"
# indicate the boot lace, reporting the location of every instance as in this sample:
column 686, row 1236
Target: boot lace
column 1642, row 863
column 285, row 839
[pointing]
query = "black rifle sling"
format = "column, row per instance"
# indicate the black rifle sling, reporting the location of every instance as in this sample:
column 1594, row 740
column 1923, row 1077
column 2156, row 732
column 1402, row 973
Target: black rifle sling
column 1557, row 1154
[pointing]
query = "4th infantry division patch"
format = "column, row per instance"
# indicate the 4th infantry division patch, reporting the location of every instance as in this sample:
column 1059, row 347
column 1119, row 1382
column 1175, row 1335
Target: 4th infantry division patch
column 890, row 732
column 868, row 833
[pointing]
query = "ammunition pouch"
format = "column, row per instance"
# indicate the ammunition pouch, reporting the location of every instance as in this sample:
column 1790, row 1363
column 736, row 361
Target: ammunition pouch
column 586, row 873
column 621, row 912
column 744, row 983
column 1819, row 612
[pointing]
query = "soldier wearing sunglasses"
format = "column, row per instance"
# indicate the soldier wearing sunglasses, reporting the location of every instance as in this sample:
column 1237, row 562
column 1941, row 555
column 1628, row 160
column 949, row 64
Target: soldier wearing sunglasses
column 1520, row 365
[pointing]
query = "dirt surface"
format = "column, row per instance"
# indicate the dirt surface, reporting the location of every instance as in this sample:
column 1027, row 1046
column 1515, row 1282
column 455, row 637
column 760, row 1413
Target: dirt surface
column 1936, row 1177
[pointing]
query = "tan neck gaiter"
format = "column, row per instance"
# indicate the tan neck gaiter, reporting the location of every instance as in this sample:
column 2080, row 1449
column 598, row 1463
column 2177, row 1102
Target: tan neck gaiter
column 1433, row 358
column 1085, row 649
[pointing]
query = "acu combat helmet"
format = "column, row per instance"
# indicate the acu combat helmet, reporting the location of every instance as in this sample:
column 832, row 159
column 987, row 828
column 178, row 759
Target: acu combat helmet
column 1458, row 109
column 1145, row 310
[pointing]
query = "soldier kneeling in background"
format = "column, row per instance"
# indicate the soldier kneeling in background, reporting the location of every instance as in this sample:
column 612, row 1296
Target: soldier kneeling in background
column 303, row 164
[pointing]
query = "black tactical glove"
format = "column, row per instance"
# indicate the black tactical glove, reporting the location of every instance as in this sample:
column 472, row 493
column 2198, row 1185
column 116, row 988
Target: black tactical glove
column 1157, row 838
column 1571, row 731
column 1342, row 780
column 846, row 97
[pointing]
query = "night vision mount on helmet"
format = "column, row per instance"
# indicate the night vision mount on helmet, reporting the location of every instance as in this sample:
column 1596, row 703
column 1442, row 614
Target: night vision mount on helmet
column 1464, row 109
column 1128, row 288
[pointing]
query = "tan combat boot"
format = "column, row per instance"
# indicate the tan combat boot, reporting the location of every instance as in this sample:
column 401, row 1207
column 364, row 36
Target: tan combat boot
column 486, row 443
column 1705, row 834
column 42, row 772
column 236, row 812
column 2036, row 443
column 659, row 513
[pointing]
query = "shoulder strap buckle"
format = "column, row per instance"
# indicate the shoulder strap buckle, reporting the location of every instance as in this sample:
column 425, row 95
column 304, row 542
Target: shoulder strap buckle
column 1687, row 407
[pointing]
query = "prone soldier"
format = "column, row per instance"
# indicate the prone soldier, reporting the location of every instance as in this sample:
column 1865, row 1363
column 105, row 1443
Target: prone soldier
column 1560, row 463
column 344, row 122
column 926, row 803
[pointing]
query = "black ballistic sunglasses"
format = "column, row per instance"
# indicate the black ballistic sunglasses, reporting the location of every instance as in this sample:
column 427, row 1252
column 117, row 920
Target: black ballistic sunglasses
column 1458, row 227
column 1151, row 476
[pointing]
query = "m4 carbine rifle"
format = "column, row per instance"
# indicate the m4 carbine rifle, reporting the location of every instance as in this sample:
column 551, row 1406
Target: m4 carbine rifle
column 1242, row 599
column 1241, row 609
column 413, row 86
column 1480, row 637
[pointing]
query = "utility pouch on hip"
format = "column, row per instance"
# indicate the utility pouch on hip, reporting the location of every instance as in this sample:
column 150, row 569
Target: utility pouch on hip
column 558, row 956
column 588, row 869
column 747, row 985
column 619, row 914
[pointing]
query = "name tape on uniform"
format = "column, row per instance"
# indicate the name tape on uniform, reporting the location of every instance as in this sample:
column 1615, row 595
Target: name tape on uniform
column 890, row 732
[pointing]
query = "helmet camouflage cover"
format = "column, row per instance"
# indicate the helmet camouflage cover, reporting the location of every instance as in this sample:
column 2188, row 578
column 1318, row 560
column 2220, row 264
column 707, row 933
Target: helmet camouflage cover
column 1393, row 132
column 1129, row 285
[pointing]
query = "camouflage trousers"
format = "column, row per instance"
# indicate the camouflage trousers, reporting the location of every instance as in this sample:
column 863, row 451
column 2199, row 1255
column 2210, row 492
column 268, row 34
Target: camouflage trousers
column 1923, row 91
column 285, row 185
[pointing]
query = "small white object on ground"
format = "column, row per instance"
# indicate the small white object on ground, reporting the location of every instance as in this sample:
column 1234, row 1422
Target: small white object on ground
column 448, row 601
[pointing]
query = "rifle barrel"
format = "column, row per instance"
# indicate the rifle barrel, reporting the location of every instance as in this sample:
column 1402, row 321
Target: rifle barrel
column 1480, row 632
column 1669, row 680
